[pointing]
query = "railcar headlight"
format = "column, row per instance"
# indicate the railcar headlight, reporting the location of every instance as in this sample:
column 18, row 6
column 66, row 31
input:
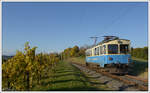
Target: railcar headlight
column 110, row 58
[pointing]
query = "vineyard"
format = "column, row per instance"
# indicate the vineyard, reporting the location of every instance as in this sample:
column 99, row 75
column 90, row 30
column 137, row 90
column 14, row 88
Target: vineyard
column 27, row 68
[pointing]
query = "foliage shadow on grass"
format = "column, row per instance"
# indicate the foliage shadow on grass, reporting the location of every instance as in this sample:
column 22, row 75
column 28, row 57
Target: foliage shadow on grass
column 138, row 67
column 61, row 81
column 68, row 74
column 76, row 89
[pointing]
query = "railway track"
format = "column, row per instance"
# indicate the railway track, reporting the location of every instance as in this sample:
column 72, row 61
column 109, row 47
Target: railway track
column 128, row 80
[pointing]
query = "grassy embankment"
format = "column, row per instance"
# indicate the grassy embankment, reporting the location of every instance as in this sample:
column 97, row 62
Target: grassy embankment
column 67, row 77
column 139, row 68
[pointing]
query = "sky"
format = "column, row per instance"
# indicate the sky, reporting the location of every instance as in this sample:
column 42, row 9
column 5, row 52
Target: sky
column 55, row 26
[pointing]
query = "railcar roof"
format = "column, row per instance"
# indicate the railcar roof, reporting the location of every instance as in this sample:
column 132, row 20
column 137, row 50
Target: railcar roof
column 106, row 41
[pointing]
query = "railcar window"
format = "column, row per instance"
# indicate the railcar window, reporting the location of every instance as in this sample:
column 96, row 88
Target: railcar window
column 97, row 51
column 94, row 51
column 104, row 47
column 113, row 49
column 88, row 53
column 124, row 48
column 101, row 50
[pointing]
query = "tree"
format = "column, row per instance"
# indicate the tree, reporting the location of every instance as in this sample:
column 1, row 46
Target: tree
column 140, row 52
column 74, row 51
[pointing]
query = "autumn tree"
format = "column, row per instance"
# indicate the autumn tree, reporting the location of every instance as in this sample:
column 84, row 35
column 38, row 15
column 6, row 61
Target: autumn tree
column 74, row 51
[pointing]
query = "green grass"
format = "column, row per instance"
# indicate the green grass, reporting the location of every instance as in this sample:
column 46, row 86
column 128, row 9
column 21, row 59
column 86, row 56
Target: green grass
column 80, row 60
column 66, row 77
column 139, row 59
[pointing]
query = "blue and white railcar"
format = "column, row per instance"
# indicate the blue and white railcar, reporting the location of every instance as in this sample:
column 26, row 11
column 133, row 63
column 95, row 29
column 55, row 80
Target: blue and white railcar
column 115, row 51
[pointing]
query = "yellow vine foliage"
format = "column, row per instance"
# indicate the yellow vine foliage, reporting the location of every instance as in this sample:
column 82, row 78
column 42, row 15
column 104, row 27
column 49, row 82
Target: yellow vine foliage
column 19, row 72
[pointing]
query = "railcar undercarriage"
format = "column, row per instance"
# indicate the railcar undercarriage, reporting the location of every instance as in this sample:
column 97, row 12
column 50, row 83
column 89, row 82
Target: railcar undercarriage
column 111, row 68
